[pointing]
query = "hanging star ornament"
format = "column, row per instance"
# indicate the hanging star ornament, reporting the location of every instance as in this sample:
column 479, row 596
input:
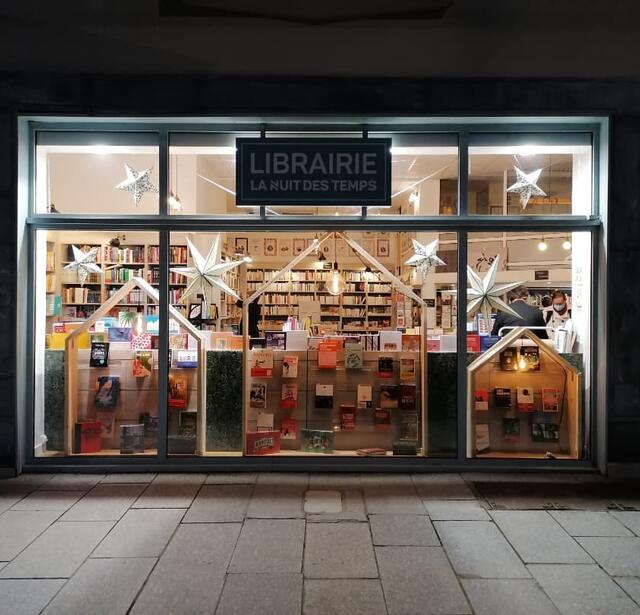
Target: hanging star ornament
column 526, row 185
column 84, row 263
column 484, row 295
column 206, row 274
column 137, row 183
column 424, row 257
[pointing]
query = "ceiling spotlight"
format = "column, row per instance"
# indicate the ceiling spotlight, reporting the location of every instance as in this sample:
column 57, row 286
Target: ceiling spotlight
column 566, row 244
column 542, row 246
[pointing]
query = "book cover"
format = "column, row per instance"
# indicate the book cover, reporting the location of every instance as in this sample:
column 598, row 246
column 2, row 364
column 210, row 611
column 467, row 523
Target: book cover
column 511, row 430
column 389, row 394
column 178, row 390
column 390, row 340
column 408, row 397
column 99, row 354
column 409, row 427
column 275, row 339
column 385, row 367
column 531, row 359
column 317, row 441
column 486, row 341
column 550, row 401
column 288, row 428
column 142, row 341
column 327, row 355
column 150, row 423
column 473, row 342
column 482, row 437
column 364, row 398
column 371, row 452
column 508, row 360
column 382, row 419
column 187, row 358
column 290, row 366
column 407, row 369
column 324, row 396
column 353, row 356
column 131, row 439
column 119, row 334
column 179, row 341
column 502, row 397
column 289, row 396
column 262, row 362
column 142, row 363
column 545, row 432
column 410, row 342
column 524, row 399
column 481, row 400
column 107, row 391
column 264, row 421
column 188, row 424
column 263, row 442
column 258, row 395
column 347, row 416
column 107, row 418
column 86, row 437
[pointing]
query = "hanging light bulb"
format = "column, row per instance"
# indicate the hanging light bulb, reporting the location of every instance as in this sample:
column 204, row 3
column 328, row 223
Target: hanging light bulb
column 139, row 324
column 542, row 246
column 566, row 244
column 522, row 362
column 335, row 283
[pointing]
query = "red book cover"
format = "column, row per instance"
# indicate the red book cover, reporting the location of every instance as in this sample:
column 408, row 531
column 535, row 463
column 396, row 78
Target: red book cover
column 347, row 416
column 87, row 437
column 288, row 429
column 473, row 342
column 263, row 442
column 178, row 391
column 327, row 355
column 382, row 419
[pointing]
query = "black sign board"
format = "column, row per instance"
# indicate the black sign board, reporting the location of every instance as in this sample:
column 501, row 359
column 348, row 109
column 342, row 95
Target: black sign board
column 541, row 274
column 313, row 172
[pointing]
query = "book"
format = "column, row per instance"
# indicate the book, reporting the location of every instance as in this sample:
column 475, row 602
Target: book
column 529, row 359
column 142, row 341
column 178, row 390
column 324, row 396
column 142, row 363
column 262, row 362
column 511, row 430
column 482, row 437
column 481, row 400
column 187, row 358
column 382, row 419
column 524, row 399
column 409, row 426
column 545, row 432
column 107, row 418
column 150, row 423
column 263, row 442
column 99, row 354
column 119, row 334
column 353, row 356
column 289, row 396
column 86, row 437
column 473, row 342
column 317, row 441
column 264, row 421
column 385, row 367
column 107, row 391
column 410, row 342
column 347, row 416
column 508, row 360
column 327, row 355
column 364, row 399
column 550, row 402
column 188, row 424
column 258, row 395
column 390, row 340
column 288, row 428
column 389, row 394
column 131, row 439
column 407, row 369
column 371, row 452
column 290, row 366
column 179, row 341
column 502, row 397
column 408, row 396
column 275, row 339
column 486, row 341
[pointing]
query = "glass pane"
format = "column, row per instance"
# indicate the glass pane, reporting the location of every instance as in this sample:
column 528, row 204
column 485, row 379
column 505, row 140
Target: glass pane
column 530, row 360
column 530, row 178
column 96, row 173
column 96, row 344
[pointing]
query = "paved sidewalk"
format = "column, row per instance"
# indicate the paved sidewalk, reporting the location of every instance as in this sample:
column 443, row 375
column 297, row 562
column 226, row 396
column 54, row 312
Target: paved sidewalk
column 319, row 544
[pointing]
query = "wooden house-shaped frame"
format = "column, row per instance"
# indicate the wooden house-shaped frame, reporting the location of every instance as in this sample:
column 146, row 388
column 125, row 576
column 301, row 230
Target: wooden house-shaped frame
column 555, row 372
column 71, row 360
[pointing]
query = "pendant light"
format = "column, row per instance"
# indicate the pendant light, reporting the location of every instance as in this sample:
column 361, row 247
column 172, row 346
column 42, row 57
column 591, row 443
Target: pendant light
column 542, row 246
column 566, row 244
column 174, row 199
column 335, row 283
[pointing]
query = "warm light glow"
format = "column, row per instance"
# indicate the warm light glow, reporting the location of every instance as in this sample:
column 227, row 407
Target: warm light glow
column 335, row 283
column 542, row 246
column 566, row 245
column 247, row 259
column 522, row 364
column 139, row 324
column 100, row 149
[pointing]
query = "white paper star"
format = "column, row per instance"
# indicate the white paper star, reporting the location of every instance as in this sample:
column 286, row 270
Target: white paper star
column 484, row 295
column 424, row 256
column 526, row 185
column 84, row 263
column 137, row 183
column 205, row 275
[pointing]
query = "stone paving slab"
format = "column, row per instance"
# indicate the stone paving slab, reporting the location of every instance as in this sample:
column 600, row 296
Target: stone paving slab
column 352, row 510
column 419, row 580
column 27, row 596
column 477, row 549
column 10, row 496
column 582, row 590
column 105, row 502
column 631, row 585
column 49, row 500
column 507, row 597
column 403, row 530
column 442, row 487
column 219, row 503
column 631, row 519
column 281, row 501
column 538, row 538
column 339, row 551
column 278, row 479
column 318, row 501
column 342, row 481
column 590, row 523
column 18, row 528
column 231, row 478
column 618, row 556
column 58, row 551
column 261, row 594
column 169, row 493
column 113, row 583
column 343, row 597
column 390, row 498
column 129, row 478
column 455, row 510
column 72, row 482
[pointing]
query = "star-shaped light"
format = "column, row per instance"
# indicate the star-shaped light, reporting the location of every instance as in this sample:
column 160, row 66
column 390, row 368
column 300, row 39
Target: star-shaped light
column 84, row 263
column 424, row 256
column 484, row 295
column 206, row 274
column 526, row 185
column 137, row 183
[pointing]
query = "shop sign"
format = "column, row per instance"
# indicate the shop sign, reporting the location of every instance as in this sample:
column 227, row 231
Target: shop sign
column 313, row 172
column 541, row 274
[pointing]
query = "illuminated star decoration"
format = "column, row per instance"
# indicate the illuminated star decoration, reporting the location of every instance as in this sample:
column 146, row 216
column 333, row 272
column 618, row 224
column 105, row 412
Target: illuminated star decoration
column 137, row 183
column 84, row 263
column 484, row 295
column 205, row 275
column 526, row 185
column 424, row 256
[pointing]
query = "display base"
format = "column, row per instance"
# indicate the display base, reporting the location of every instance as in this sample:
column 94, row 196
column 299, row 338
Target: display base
column 522, row 455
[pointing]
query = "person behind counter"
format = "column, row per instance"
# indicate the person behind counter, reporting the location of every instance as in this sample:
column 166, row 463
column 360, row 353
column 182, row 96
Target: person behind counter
column 530, row 315
column 557, row 314
column 254, row 317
